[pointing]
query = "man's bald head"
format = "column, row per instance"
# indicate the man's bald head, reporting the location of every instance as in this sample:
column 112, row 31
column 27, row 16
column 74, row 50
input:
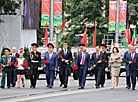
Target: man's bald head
column 14, row 49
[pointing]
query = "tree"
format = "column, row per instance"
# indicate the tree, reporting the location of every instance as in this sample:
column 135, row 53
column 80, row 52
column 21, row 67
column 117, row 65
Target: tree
column 2, row 52
column 80, row 13
column 9, row 7
column 26, row 50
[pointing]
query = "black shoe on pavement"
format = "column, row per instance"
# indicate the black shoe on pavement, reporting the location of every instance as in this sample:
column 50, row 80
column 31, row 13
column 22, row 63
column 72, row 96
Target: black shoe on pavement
column 128, row 87
column 33, row 87
column 97, row 87
column 13, row 85
column 65, row 86
column 60, row 85
column 82, row 87
column 2, row 87
column 133, row 88
column 50, row 87
column 102, row 85
column 8, row 87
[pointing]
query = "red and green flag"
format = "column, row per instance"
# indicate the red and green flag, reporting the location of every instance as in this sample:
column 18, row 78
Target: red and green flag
column 62, row 30
column 134, row 39
column 94, row 38
column 84, row 39
column 127, row 39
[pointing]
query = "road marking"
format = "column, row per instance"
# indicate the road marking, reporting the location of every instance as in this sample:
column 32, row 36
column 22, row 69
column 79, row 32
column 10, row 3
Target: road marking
column 56, row 94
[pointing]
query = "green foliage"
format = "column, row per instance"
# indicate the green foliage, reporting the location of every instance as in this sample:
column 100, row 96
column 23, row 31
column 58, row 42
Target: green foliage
column 9, row 7
column 2, row 52
column 26, row 50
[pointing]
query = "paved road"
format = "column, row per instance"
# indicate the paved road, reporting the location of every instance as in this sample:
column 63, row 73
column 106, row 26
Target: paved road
column 71, row 94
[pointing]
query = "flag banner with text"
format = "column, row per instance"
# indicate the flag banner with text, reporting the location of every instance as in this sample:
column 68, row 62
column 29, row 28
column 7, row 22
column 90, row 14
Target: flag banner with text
column 112, row 15
column 57, row 12
column 122, row 15
column 45, row 15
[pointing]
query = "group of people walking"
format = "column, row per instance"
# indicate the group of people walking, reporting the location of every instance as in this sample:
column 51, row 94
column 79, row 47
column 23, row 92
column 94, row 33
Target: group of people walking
column 14, row 64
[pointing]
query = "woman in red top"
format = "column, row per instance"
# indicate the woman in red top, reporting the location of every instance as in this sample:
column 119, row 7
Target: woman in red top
column 20, row 65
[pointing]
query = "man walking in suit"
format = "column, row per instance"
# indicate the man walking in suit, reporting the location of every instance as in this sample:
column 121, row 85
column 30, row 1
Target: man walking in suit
column 98, row 60
column 51, row 65
column 103, row 46
column 83, row 61
column 125, row 58
column 66, row 57
column 13, row 72
column 132, row 60
column 34, row 61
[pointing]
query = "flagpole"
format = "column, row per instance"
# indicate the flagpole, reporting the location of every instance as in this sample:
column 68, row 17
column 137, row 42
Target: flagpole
column 51, row 19
column 117, row 24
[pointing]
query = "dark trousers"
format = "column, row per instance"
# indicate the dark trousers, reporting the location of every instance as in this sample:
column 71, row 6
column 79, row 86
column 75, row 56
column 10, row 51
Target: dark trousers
column 98, row 75
column 33, row 74
column 82, row 75
column 13, row 76
column 64, row 70
column 50, row 76
column 132, row 74
column 3, row 78
column 103, row 77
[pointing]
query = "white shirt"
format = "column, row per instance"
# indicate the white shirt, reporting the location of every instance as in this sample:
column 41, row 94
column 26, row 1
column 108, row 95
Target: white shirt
column 50, row 55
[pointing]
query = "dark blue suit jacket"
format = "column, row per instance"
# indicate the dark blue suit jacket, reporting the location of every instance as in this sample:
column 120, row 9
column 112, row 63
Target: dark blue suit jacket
column 53, row 62
column 132, row 66
column 125, row 58
column 86, row 60
column 16, row 56
column 67, row 57
column 95, row 60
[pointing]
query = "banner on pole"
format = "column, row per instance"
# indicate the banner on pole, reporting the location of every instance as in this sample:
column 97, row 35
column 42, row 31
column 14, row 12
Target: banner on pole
column 45, row 15
column 112, row 15
column 57, row 12
column 122, row 15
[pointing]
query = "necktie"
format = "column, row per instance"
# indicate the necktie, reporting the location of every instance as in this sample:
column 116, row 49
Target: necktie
column 65, row 53
column 83, row 58
column 97, row 55
column 132, row 56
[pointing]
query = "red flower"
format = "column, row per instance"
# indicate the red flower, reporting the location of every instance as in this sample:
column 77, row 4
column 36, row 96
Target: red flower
column 59, row 56
column 117, row 58
column 134, row 60
column 11, row 63
column 101, row 58
column 75, row 67
column 26, row 67
column 46, row 61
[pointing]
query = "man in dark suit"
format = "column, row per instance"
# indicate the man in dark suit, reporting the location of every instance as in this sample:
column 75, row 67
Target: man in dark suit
column 103, row 46
column 34, row 61
column 66, row 57
column 125, row 58
column 132, row 67
column 13, row 72
column 52, row 66
column 98, row 60
column 83, row 61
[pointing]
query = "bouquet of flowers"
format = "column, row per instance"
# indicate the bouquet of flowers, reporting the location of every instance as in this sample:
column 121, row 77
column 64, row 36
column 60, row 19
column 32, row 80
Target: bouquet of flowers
column 134, row 61
column 60, row 56
column 46, row 62
column 75, row 68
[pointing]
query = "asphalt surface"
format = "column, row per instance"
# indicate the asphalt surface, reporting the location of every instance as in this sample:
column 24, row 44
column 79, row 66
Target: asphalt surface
column 71, row 94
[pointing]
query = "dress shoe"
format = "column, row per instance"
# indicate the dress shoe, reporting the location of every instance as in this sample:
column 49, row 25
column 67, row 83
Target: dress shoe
column 18, row 87
column 23, row 85
column 31, row 86
column 82, row 87
column 97, row 87
column 102, row 85
column 13, row 85
column 60, row 85
column 50, row 87
column 2, row 87
column 128, row 87
column 47, row 86
column 8, row 87
column 65, row 86
column 133, row 88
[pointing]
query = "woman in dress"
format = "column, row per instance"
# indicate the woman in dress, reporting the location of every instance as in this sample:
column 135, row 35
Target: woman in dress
column 115, row 60
column 20, row 65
